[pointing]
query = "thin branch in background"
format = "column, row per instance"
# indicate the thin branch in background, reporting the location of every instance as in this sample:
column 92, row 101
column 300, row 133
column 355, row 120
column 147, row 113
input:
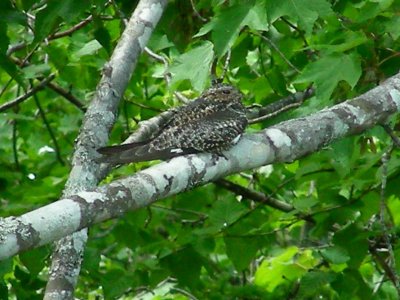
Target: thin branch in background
column 254, row 195
column 382, row 213
column 390, row 132
column 120, row 13
column 5, row 87
column 146, row 106
column 284, row 104
column 48, row 127
column 388, row 271
column 167, row 76
column 67, row 95
column 14, row 143
column 21, row 64
column 395, row 54
column 184, row 293
column 162, row 59
column 197, row 14
column 301, row 32
column 269, row 41
column 275, row 113
column 71, row 30
column 53, row 36
column 15, row 48
column 28, row 94
column 126, row 115
column 226, row 64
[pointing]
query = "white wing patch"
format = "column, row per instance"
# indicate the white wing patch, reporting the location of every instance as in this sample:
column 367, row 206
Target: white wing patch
column 177, row 150
column 236, row 139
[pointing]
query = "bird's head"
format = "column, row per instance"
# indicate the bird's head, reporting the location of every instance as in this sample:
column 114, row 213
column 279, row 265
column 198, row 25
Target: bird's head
column 223, row 93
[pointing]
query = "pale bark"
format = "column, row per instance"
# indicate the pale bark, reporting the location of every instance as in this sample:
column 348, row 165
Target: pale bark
column 99, row 119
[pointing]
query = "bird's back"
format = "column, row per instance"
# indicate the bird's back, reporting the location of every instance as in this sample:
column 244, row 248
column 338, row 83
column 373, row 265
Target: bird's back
column 208, row 124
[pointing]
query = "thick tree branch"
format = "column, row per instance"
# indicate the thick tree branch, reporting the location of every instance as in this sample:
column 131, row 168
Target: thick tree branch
column 283, row 142
column 99, row 119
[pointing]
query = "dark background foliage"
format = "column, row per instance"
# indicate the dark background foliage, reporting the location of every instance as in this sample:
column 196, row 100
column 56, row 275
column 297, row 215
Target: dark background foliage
column 210, row 243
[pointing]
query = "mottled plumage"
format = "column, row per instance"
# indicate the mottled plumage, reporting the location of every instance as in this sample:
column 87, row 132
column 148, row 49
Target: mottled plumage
column 211, row 123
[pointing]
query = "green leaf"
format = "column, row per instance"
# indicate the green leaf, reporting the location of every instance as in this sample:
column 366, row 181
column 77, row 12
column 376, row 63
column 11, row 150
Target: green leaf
column 226, row 212
column 193, row 65
column 88, row 49
column 227, row 25
column 304, row 203
column 185, row 265
column 312, row 281
column 103, row 37
column 34, row 260
column 6, row 266
column 33, row 71
column 277, row 270
column 328, row 71
column 241, row 251
column 115, row 282
column 354, row 241
column 48, row 18
column 343, row 41
column 335, row 254
column 159, row 42
column 306, row 12
column 341, row 156
column 9, row 15
column 3, row 291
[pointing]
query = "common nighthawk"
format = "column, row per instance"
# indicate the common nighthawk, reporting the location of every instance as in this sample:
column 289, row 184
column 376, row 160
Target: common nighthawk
column 211, row 123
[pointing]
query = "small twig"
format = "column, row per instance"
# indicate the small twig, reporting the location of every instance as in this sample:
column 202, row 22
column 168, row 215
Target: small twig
column 388, row 58
column 278, row 51
column 254, row 195
column 146, row 107
column 184, row 293
column 71, row 30
column 5, row 87
column 14, row 143
column 67, row 95
column 48, row 127
column 28, row 94
column 166, row 75
column 389, row 131
column 301, row 33
column 121, row 15
column 284, row 104
column 389, row 272
column 226, row 65
column 15, row 48
column 382, row 212
column 197, row 13
column 275, row 113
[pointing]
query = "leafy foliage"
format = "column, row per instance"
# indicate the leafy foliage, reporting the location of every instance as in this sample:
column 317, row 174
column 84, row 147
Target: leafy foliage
column 209, row 243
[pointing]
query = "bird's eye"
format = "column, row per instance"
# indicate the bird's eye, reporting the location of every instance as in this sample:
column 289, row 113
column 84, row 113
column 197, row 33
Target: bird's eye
column 226, row 92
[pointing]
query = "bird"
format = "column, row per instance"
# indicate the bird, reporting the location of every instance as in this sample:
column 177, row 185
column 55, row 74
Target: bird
column 211, row 123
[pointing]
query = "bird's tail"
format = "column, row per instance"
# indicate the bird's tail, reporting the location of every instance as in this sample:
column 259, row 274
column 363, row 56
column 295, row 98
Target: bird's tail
column 136, row 152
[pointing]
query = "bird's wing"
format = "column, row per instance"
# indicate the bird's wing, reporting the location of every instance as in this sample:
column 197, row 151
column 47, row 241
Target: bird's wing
column 183, row 134
column 216, row 132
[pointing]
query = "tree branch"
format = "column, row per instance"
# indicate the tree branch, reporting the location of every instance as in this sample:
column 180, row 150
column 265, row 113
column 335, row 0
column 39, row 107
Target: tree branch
column 67, row 95
column 28, row 94
column 254, row 195
column 99, row 119
column 277, row 107
column 283, row 142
